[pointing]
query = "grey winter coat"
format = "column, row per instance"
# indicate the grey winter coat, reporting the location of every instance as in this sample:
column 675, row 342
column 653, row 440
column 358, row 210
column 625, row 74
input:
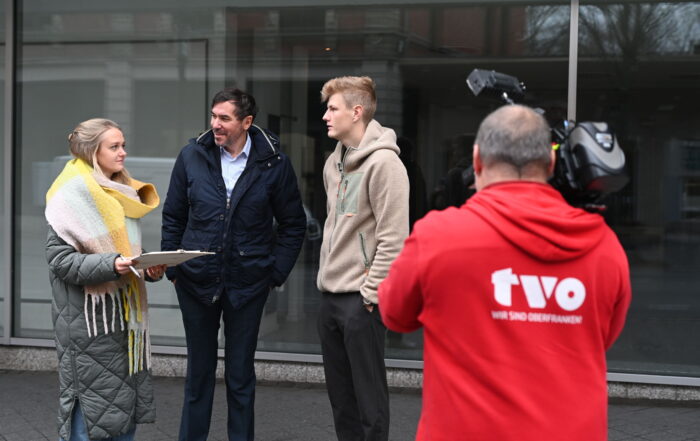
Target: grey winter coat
column 93, row 370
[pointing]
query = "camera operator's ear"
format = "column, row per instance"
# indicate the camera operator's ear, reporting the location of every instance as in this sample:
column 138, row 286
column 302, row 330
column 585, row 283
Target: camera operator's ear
column 478, row 168
column 476, row 161
column 552, row 162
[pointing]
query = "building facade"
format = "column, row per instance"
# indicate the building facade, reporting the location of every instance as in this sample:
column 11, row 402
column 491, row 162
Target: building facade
column 153, row 67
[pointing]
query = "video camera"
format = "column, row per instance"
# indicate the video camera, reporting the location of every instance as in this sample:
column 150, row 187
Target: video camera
column 589, row 161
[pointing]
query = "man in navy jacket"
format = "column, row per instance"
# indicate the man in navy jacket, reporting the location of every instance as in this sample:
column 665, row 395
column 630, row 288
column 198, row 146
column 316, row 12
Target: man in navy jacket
column 226, row 188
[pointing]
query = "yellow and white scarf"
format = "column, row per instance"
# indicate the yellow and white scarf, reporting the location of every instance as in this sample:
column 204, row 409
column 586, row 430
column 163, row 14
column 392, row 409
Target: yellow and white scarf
column 96, row 215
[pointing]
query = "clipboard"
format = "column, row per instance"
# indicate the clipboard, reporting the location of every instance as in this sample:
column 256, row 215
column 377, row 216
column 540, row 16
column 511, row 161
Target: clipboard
column 170, row 258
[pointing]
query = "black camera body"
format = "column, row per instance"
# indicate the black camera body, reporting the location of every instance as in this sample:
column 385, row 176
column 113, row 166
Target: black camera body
column 589, row 161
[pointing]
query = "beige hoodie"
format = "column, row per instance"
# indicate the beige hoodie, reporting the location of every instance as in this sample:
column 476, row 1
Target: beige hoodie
column 367, row 221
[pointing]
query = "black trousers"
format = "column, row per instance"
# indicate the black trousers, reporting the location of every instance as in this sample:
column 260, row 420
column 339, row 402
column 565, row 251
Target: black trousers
column 352, row 342
column 201, row 332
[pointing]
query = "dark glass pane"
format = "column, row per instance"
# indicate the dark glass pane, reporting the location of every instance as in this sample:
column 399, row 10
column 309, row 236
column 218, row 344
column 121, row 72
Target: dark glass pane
column 147, row 70
column 419, row 56
column 639, row 70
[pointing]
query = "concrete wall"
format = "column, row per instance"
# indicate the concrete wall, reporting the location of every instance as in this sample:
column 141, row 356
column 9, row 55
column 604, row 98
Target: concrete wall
column 44, row 359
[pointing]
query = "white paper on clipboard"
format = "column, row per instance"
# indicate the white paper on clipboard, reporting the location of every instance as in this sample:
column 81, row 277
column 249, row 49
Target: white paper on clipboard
column 170, row 258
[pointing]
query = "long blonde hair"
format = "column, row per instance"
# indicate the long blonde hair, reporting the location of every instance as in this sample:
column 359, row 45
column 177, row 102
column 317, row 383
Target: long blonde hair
column 84, row 141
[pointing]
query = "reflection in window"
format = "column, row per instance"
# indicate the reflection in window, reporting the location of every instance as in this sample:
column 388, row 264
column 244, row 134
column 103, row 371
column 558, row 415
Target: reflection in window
column 547, row 30
column 154, row 89
column 638, row 71
column 690, row 170
column 691, row 198
column 154, row 73
column 635, row 29
column 419, row 57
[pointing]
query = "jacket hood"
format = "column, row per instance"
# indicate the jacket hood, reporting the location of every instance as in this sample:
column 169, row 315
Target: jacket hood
column 376, row 138
column 535, row 218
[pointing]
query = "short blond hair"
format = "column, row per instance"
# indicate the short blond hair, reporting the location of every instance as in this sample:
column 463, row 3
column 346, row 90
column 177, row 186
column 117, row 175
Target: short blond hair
column 84, row 141
column 355, row 91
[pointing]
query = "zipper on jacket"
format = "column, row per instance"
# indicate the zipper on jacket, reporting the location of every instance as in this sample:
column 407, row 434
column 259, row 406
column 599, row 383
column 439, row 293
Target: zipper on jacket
column 229, row 214
column 364, row 253
column 341, row 169
column 227, row 222
column 224, row 234
column 345, row 192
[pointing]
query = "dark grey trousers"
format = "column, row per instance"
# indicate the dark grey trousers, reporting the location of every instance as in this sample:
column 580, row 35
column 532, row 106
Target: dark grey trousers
column 352, row 342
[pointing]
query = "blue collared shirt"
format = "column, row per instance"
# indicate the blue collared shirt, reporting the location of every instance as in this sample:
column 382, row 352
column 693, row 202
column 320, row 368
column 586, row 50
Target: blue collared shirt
column 232, row 168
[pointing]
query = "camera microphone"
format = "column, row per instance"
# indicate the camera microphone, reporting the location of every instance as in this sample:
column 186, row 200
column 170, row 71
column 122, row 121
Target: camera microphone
column 495, row 84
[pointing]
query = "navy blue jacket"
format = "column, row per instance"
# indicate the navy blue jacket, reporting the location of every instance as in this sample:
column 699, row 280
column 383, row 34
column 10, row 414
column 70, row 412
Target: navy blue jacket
column 251, row 255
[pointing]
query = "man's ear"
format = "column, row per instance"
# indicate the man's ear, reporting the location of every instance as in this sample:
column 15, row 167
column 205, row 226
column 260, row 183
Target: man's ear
column 357, row 112
column 476, row 160
column 247, row 122
column 552, row 162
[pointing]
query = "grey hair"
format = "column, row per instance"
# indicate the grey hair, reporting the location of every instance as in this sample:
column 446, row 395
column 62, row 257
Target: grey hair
column 84, row 141
column 516, row 135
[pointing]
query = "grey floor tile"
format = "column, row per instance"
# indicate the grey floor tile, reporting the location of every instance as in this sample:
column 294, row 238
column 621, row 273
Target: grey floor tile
column 293, row 413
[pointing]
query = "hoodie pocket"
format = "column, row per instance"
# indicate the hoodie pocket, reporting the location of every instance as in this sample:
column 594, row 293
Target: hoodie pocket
column 348, row 194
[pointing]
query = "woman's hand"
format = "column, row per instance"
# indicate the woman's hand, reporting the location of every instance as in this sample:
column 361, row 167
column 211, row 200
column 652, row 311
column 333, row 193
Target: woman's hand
column 122, row 264
column 156, row 272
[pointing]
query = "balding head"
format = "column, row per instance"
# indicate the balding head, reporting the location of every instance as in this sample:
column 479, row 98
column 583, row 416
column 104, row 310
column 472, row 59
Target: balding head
column 513, row 143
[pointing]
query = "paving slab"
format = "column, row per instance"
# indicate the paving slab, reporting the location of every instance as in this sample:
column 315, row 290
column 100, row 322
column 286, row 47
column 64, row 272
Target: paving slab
column 293, row 412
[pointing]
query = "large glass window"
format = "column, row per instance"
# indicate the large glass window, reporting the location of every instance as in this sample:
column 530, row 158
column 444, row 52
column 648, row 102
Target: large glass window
column 151, row 72
column 154, row 71
column 419, row 57
column 639, row 70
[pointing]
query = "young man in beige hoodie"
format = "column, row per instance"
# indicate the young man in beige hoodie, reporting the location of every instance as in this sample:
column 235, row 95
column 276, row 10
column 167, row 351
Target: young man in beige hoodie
column 367, row 189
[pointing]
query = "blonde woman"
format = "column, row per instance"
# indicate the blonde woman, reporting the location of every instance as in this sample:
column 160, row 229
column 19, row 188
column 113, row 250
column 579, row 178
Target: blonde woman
column 99, row 302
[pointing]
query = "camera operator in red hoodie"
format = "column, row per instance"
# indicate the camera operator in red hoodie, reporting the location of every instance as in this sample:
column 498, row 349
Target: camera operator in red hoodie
column 519, row 294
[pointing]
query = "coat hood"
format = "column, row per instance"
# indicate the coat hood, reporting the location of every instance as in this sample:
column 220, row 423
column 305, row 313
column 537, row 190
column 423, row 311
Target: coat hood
column 376, row 138
column 531, row 217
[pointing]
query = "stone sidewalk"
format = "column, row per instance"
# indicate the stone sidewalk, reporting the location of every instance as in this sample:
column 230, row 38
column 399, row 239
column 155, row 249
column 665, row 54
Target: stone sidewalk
column 28, row 401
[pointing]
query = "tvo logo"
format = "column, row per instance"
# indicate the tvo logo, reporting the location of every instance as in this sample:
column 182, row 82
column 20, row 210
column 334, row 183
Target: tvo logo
column 569, row 293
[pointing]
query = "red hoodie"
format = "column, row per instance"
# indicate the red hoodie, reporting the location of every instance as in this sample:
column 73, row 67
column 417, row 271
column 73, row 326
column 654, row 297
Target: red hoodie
column 519, row 295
